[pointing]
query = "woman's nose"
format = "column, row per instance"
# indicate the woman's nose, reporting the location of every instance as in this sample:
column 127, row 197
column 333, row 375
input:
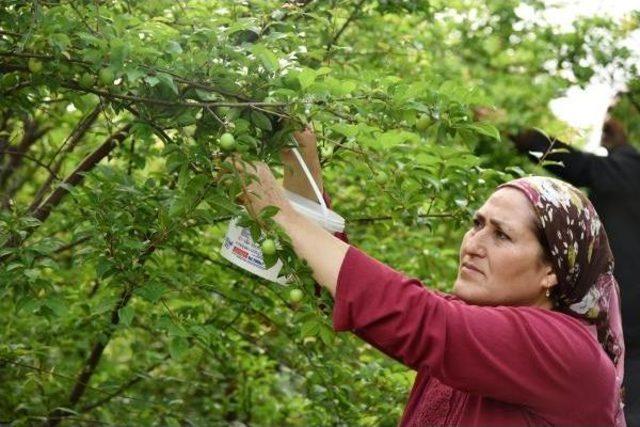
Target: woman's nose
column 476, row 244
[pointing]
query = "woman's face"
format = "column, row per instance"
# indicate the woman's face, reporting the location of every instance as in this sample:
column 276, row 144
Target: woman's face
column 501, row 260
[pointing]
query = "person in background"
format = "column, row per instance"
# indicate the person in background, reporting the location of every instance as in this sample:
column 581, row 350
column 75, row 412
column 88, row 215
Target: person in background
column 613, row 183
column 531, row 334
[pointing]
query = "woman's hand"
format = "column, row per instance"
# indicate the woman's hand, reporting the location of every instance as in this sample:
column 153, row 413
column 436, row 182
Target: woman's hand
column 320, row 249
column 260, row 188
column 295, row 179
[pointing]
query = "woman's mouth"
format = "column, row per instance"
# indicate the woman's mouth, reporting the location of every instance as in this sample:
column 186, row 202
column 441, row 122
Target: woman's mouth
column 470, row 268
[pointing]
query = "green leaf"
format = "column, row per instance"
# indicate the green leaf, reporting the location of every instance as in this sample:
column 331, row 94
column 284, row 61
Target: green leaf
column 57, row 306
column 178, row 347
column 222, row 204
column 255, row 230
column 151, row 292
column 204, row 95
column 483, row 128
column 268, row 58
column 310, row 328
column 126, row 315
column 552, row 163
column 152, row 80
column 168, row 81
column 60, row 41
column 173, row 47
column 306, row 77
column 326, row 335
column 104, row 267
column 261, row 120
column 348, row 130
column 270, row 260
column 70, row 188
column 269, row 212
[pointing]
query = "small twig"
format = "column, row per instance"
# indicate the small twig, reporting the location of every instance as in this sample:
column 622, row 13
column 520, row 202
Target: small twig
column 274, row 113
column 76, row 418
column 164, row 102
column 94, row 289
column 30, row 135
column 42, row 212
column 215, row 116
column 132, row 153
column 351, row 17
column 388, row 217
column 122, row 388
column 33, row 159
column 159, row 131
column 552, row 142
column 16, row 87
column 41, row 56
column 62, row 376
column 68, row 246
column 9, row 33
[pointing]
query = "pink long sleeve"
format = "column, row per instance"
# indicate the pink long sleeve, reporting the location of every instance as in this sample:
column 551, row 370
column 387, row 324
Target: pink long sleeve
column 540, row 359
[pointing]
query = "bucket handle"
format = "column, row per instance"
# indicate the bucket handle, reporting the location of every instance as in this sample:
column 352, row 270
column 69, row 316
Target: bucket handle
column 314, row 186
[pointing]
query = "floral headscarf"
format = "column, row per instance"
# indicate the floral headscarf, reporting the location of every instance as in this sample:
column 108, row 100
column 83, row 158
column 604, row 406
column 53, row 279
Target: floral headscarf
column 582, row 260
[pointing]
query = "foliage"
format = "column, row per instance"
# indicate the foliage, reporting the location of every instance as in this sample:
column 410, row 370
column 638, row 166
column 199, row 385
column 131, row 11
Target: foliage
column 115, row 193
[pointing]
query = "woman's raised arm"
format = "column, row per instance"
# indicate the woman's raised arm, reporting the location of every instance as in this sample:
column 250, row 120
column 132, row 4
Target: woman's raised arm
column 320, row 249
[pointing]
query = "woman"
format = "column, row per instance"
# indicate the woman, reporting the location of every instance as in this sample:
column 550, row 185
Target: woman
column 532, row 334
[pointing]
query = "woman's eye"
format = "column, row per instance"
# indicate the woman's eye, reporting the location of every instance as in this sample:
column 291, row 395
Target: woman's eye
column 476, row 223
column 501, row 235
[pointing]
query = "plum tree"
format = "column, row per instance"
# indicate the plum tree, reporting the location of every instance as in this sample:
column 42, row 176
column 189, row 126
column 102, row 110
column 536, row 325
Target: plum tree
column 115, row 199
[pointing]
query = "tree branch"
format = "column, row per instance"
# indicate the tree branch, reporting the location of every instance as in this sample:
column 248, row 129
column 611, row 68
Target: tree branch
column 57, row 415
column 9, row 33
column 166, row 103
column 33, row 159
column 73, row 139
column 17, row 87
column 51, row 372
column 73, row 244
column 4, row 132
column 31, row 134
column 388, row 217
column 351, row 17
column 43, row 211
column 15, row 185
column 122, row 388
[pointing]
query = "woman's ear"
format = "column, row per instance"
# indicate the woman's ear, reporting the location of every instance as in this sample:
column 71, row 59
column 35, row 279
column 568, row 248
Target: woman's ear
column 550, row 279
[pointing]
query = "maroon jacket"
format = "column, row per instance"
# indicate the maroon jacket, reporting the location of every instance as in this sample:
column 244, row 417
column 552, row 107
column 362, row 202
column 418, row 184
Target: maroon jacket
column 477, row 365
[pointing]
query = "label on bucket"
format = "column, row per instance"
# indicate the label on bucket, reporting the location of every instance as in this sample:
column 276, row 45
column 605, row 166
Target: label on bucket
column 244, row 248
column 239, row 248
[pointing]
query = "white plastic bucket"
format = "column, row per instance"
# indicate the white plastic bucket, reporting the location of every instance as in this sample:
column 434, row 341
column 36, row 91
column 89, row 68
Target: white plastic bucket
column 240, row 249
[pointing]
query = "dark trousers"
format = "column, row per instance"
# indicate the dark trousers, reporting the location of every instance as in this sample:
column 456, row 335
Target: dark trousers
column 632, row 390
